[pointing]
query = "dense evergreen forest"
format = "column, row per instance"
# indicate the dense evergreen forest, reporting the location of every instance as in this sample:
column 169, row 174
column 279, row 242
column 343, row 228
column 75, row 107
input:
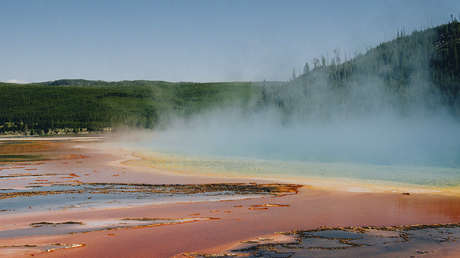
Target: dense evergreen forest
column 423, row 65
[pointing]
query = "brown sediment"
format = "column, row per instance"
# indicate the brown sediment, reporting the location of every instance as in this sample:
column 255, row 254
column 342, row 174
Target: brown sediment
column 203, row 188
column 45, row 223
column 34, row 193
column 25, row 147
column 21, row 152
column 257, row 208
column 276, row 205
column 148, row 188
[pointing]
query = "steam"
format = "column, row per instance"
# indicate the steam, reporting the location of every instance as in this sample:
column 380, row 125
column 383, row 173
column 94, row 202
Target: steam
column 360, row 124
column 383, row 140
column 362, row 120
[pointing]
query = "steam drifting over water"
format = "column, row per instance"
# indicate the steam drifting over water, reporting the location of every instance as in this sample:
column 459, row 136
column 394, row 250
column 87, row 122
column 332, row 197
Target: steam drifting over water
column 421, row 148
column 364, row 124
column 367, row 118
column 384, row 140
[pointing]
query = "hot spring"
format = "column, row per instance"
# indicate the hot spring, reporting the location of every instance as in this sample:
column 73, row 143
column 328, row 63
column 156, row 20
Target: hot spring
column 417, row 151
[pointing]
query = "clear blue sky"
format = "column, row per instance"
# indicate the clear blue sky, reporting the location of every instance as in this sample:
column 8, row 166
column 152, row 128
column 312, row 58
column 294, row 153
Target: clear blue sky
column 194, row 40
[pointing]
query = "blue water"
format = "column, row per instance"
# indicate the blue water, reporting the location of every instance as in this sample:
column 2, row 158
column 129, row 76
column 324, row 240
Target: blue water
column 419, row 150
column 97, row 196
column 259, row 168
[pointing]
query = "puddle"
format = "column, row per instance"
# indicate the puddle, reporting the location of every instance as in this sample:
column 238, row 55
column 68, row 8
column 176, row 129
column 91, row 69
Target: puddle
column 69, row 227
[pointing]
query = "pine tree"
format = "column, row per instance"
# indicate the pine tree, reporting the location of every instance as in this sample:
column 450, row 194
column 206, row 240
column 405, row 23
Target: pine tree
column 306, row 68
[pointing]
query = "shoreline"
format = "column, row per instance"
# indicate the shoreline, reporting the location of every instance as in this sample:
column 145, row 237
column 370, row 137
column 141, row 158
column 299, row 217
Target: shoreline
column 324, row 183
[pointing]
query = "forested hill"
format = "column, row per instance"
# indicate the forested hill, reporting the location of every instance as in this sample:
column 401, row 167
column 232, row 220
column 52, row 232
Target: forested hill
column 68, row 106
column 421, row 67
column 434, row 52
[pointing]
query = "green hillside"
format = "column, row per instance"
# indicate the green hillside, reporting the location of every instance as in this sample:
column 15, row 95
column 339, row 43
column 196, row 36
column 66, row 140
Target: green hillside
column 76, row 105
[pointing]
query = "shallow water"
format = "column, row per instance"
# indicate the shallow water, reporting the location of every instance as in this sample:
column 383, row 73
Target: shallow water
column 432, row 176
column 50, row 228
column 59, row 197
column 421, row 149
